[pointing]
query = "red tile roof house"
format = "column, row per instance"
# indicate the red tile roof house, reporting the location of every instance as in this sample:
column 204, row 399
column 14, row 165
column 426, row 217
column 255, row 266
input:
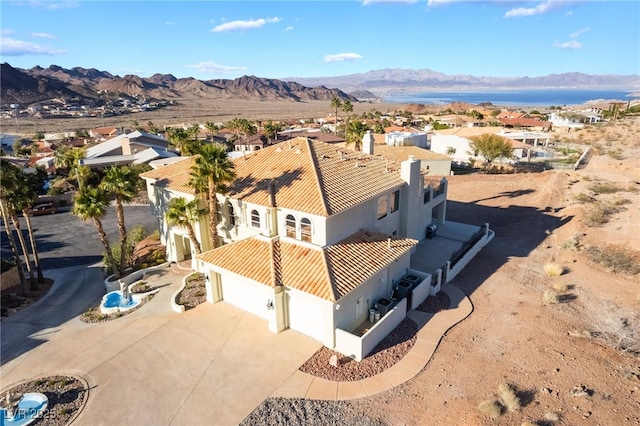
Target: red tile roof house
column 317, row 240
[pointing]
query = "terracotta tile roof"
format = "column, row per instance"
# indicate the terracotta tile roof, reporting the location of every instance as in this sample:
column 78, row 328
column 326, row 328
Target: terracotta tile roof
column 312, row 177
column 525, row 122
column 329, row 273
column 174, row 176
column 307, row 176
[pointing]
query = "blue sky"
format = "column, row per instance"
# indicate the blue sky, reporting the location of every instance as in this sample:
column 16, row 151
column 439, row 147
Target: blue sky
column 228, row 39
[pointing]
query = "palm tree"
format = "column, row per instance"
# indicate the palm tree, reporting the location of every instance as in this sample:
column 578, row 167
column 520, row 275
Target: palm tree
column 336, row 103
column 212, row 128
column 8, row 184
column 123, row 184
column 18, row 200
column 91, row 204
column 211, row 174
column 184, row 213
column 347, row 107
column 271, row 130
column 355, row 133
column 179, row 138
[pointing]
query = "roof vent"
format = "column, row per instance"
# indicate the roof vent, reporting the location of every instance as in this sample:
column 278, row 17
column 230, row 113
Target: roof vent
column 298, row 151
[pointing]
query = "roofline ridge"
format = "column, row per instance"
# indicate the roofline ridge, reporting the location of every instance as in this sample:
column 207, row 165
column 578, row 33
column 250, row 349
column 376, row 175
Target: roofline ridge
column 325, row 264
column 318, row 175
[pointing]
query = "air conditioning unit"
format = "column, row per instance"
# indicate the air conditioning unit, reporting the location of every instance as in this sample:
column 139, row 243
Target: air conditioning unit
column 383, row 306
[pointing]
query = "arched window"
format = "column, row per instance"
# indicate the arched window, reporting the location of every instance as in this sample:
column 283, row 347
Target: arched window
column 305, row 229
column 232, row 214
column 255, row 219
column 290, row 225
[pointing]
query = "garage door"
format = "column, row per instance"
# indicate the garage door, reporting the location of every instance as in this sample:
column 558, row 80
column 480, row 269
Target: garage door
column 306, row 316
column 247, row 296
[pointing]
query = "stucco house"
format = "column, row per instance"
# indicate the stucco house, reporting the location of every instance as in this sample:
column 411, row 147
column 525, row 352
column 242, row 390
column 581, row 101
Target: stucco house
column 321, row 240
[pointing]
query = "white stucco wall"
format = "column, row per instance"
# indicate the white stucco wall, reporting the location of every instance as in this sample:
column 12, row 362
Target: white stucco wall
column 245, row 294
column 441, row 143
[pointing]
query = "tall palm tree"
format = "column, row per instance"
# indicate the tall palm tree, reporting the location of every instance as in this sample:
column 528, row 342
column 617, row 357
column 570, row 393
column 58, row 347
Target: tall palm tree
column 211, row 174
column 347, row 107
column 212, row 128
column 184, row 213
column 179, row 138
column 17, row 201
column 122, row 183
column 336, row 103
column 91, row 204
column 8, row 184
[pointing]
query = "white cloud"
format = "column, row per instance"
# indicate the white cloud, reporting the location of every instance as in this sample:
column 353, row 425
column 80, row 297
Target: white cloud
column 289, row 28
column 54, row 5
column 432, row 3
column 540, row 9
column 577, row 33
column 368, row 2
column 43, row 35
column 245, row 25
column 569, row 13
column 169, row 23
column 12, row 47
column 210, row 67
column 7, row 32
column 342, row 57
column 571, row 44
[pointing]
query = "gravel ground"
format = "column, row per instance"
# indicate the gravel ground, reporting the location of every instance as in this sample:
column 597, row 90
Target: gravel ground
column 434, row 304
column 194, row 293
column 67, row 396
column 388, row 352
column 291, row 412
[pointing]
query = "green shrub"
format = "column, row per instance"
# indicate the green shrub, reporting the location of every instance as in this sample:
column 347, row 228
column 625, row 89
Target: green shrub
column 553, row 269
column 583, row 198
column 550, row 297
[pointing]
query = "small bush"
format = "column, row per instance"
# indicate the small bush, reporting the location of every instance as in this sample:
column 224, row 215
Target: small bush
column 572, row 243
column 553, row 269
column 508, row 397
column 616, row 154
column 560, row 287
column 604, row 188
column 598, row 214
column 491, row 408
column 583, row 198
column 617, row 259
column 550, row 297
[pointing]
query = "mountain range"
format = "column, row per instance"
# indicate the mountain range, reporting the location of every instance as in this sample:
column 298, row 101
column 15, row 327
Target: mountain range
column 398, row 80
column 36, row 84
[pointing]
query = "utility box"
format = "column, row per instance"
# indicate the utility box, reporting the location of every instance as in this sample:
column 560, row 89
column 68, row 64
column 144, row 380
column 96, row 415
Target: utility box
column 431, row 230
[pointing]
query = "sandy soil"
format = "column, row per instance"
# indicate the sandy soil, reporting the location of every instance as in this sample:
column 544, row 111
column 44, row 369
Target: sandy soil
column 512, row 336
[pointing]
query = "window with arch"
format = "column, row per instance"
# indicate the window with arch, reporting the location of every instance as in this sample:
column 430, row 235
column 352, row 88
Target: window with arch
column 232, row 214
column 305, row 229
column 290, row 225
column 255, row 219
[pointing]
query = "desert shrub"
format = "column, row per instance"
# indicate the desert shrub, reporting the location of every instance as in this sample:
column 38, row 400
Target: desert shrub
column 553, row 269
column 491, row 408
column 617, row 259
column 616, row 154
column 560, row 287
column 583, row 198
column 598, row 214
column 550, row 297
column 604, row 188
column 508, row 397
column 528, row 423
column 134, row 236
column 617, row 328
column 572, row 243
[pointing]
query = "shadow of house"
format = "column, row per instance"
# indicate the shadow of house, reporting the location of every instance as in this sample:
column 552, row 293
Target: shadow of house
column 518, row 231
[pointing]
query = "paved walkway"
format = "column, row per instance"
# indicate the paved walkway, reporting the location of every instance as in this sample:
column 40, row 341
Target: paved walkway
column 210, row 365
column 431, row 329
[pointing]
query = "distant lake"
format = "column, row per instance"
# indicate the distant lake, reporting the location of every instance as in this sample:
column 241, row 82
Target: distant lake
column 510, row 97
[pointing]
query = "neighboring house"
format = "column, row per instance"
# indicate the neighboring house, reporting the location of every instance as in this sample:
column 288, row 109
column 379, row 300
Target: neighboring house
column 131, row 148
column 251, row 143
column 317, row 239
column 456, row 143
column 396, row 138
column 103, row 133
column 431, row 163
column 526, row 123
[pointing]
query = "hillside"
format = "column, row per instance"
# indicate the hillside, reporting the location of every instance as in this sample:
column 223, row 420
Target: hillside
column 24, row 86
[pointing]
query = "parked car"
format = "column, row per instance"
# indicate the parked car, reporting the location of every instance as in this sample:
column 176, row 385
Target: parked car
column 42, row 209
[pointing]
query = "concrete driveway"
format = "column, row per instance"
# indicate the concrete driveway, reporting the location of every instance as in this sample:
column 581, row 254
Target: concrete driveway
column 208, row 366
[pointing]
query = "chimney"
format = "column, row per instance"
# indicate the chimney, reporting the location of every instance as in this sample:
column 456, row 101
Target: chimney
column 125, row 146
column 367, row 143
column 272, row 194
